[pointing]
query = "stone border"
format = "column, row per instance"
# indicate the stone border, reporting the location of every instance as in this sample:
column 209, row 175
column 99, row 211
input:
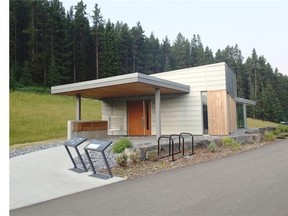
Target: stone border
column 244, row 136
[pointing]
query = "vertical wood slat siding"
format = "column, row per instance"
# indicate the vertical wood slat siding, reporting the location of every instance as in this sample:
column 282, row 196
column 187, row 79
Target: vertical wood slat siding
column 222, row 118
column 232, row 114
column 217, row 112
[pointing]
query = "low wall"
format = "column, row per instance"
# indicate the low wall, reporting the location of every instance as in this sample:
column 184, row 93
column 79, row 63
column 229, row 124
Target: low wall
column 87, row 129
column 245, row 136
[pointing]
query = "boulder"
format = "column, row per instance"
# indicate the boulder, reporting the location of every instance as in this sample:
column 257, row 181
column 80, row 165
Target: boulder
column 130, row 151
column 252, row 131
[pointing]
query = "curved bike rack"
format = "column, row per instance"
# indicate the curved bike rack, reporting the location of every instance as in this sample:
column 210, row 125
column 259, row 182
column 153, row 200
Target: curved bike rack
column 170, row 140
column 183, row 135
column 171, row 147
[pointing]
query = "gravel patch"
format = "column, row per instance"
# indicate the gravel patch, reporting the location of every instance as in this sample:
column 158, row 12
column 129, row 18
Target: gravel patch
column 14, row 152
column 96, row 157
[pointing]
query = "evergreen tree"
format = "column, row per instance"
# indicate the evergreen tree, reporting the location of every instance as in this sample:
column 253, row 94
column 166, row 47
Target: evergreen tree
column 124, row 40
column 152, row 59
column 165, row 55
column 97, row 21
column 109, row 58
column 137, row 37
column 208, row 56
column 81, row 43
column 18, row 20
column 68, row 48
column 180, row 52
column 56, row 32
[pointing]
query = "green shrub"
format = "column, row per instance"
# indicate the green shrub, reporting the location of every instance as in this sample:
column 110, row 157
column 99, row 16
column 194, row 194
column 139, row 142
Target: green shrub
column 235, row 146
column 269, row 136
column 120, row 146
column 212, row 146
column 152, row 155
column 34, row 89
column 276, row 132
column 283, row 128
column 231, row 143
column 121, row 160
column 227, row 141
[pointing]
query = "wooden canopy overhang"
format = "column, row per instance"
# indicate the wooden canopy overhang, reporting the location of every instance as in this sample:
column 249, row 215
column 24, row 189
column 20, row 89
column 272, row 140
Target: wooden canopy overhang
column 129, row 85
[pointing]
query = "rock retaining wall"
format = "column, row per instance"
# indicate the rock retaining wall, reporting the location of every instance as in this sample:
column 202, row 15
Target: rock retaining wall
column 244, row 136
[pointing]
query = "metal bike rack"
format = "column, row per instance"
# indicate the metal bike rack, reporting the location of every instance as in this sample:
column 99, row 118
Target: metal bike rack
column 98, row 146
column 74, row 143
column 171, row 147
column 170, row 140
column 183, row 140
column 179, row 144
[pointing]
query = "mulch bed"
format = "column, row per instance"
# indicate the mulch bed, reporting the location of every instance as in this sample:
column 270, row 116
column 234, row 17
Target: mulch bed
column 202, row 154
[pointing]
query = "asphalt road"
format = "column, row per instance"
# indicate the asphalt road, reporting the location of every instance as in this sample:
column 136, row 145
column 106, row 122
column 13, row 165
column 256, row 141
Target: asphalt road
column 249, row 183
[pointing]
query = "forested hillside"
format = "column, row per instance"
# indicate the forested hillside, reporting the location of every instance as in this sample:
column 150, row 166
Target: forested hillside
column 50, row 46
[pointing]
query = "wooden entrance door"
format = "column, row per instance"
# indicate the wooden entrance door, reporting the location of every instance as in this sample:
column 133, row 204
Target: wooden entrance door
column 139, row 115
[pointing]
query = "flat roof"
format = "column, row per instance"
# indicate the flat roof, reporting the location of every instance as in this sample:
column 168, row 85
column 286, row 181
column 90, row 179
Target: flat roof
column 129, row 85
column 245, row 101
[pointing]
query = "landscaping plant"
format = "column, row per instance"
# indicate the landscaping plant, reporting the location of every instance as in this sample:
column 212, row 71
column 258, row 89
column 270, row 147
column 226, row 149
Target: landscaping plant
column 120, row 145
column 269, row 136
column 121, row 160
column 229, row 142
column 135, row 157
column 152, row 155
column 212, row 146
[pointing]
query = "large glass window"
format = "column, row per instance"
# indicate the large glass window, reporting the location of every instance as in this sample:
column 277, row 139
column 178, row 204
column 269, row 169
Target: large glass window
column 240, row 116
column 204, row 112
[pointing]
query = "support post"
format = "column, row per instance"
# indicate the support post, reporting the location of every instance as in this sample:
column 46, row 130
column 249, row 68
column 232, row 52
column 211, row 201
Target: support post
column 158, row 112
column 78, row 107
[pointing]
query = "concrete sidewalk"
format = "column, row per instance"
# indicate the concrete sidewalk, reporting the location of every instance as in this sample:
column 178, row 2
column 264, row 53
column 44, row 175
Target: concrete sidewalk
column 45, row 175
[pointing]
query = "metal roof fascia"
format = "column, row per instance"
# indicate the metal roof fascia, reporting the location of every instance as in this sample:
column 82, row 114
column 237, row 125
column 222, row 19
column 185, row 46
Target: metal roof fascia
column 245, row 101
column 151, row 80
column 110, row 81
column 118, row 80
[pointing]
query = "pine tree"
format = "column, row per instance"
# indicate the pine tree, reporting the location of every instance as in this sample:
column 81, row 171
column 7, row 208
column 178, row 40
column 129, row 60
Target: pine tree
column 109, row 58
column 180, row 52
column 152, row 58
column 124, row 41
column 81, row 42
column 97, row 22
column 165, row 55
column 137, row 37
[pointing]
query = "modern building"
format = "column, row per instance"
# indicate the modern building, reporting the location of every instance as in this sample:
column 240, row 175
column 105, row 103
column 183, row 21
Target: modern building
column 199, row 100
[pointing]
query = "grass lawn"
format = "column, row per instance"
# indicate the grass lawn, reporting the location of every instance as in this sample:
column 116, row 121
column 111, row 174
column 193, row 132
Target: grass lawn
column 36, row 117
column 255, row 123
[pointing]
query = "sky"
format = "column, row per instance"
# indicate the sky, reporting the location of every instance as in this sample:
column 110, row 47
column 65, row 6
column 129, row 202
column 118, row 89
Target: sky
column 262, row 25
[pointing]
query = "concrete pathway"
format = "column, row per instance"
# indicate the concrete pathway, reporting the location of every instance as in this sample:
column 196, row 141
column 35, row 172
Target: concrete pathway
column 250, row 183
column 44, row 175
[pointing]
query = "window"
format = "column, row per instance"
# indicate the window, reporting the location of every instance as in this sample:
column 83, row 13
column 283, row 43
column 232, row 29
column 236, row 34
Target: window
column 240, row 116
column 147, row 114
column 204, row 112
